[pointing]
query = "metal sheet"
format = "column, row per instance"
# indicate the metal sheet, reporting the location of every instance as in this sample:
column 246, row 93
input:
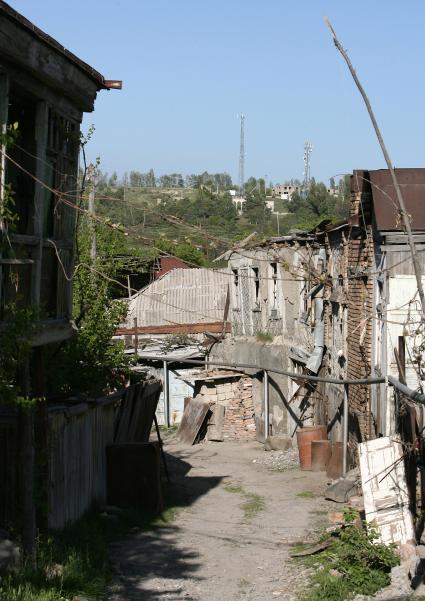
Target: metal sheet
column 403, row 307
column 412, row 184
column 181, row 296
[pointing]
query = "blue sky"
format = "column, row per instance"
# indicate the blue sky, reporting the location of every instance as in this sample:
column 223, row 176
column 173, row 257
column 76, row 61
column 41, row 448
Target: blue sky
column 190, row 66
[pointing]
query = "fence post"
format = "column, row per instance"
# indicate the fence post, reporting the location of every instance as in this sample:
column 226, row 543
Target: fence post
column 166, row 389
column 266, row 405
column 345, row 431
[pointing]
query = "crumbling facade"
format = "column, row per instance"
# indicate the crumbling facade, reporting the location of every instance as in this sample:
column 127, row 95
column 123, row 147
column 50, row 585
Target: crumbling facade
column 339, row 302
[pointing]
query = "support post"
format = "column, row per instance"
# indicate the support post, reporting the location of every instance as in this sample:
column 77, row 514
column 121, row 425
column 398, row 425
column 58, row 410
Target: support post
column 266, row 405
column 166, row 389
column 136, row 337
column 92, row 211
column 4, row 110
column 345, row 431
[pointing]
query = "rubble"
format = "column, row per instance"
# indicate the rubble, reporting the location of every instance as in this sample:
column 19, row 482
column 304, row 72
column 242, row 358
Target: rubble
column 280, row 461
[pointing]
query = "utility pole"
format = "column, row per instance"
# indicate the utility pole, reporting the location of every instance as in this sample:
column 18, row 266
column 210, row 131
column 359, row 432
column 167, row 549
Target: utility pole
column 307, row 159
column 242, row 157
column 92, row 209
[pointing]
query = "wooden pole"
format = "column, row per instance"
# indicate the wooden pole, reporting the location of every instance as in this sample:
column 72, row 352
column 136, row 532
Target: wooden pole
column 266, row 405
column 402, row 207
column 136, row 337
column 92, row 210
column 166, row 389
column 345, row 431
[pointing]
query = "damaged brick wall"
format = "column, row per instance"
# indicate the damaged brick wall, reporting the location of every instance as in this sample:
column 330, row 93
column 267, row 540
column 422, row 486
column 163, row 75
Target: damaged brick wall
column 360, row 300
column 234, row 393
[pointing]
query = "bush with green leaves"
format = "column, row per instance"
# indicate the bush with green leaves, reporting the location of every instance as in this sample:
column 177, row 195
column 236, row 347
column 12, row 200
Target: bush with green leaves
column 356, row 563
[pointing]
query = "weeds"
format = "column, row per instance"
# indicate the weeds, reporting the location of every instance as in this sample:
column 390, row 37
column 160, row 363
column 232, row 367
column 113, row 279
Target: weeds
column 354, row 564
column 75, row 560
column 264, row 337
column 306, row 494
column 253, row 503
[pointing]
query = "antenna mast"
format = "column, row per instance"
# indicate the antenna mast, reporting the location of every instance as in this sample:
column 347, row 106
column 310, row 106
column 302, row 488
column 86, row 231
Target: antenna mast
column 307, row 158
column 242, row 157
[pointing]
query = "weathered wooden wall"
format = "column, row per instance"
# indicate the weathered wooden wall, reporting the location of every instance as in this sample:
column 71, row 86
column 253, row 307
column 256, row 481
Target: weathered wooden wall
column 78, row 437
column 77, row 461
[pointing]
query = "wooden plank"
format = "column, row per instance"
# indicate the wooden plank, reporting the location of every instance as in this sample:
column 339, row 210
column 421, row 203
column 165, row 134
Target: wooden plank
column 215, row 423
column 193, row 418
column 385, row 492
column 215, row 327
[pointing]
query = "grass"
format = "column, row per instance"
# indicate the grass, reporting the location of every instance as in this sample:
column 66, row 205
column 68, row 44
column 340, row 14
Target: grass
column 264, row 337
column 252, row 504
column 75, row 560
column 306, row 494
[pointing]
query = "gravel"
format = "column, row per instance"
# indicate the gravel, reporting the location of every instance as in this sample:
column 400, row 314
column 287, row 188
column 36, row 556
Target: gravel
column 279, row 461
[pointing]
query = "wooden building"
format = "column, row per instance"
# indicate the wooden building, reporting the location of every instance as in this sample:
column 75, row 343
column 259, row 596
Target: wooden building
column 45, row 90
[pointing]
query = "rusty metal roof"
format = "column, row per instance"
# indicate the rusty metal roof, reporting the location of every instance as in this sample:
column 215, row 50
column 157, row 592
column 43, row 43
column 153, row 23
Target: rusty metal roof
column 181, row 296
column 412, row 184
column 11, row 13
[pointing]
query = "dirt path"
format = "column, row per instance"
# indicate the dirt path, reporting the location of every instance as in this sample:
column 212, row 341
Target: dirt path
column 231, row 539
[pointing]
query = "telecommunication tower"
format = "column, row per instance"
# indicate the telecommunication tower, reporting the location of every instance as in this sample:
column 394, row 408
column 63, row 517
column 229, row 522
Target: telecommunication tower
column 307, row 158
column 242, row 156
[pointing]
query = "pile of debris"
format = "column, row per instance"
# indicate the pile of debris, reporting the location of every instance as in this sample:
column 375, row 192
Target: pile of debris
column 280, row 461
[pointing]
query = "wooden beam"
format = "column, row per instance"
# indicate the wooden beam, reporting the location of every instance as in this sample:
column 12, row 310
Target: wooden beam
column 41, row 128
column 184, row 328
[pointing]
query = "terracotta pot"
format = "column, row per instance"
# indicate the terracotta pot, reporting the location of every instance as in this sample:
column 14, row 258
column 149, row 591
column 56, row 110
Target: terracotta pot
column 305, row 436
column 321, row 451
column 334, row 469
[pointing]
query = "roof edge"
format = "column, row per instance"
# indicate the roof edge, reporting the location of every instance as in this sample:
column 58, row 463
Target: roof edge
column 14, row 15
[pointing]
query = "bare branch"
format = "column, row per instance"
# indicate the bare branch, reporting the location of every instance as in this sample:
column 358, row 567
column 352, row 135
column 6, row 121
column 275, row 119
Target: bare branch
column 400, row 201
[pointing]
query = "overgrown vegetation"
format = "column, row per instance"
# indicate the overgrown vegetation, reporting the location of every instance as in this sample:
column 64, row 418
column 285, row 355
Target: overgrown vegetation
column 75, row 561
column 355, row 563
column 264, row 337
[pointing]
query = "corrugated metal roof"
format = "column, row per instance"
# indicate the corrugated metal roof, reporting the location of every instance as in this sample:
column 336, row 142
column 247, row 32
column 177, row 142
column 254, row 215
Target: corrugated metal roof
column 412, row 184
column 181, row 296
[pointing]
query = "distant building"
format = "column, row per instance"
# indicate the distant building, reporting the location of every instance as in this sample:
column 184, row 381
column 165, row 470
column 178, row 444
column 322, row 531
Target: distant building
column 239, row 202
column 285, row 191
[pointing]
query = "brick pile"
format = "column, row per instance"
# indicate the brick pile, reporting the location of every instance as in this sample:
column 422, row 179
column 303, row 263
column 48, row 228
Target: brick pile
column 235, row 394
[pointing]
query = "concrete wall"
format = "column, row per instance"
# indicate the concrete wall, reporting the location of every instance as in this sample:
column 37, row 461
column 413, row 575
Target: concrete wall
column 282, row 415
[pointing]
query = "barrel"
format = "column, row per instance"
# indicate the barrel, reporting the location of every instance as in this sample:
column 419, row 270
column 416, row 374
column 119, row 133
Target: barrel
column 320, row 455
column 305, row 436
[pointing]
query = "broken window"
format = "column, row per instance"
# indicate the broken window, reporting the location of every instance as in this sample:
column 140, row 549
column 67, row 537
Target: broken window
column 22, row 110
column 256, row 284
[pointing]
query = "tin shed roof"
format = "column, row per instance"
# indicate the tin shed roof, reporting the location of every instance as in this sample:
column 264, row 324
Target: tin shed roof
column 181, row 296
column 412, row 184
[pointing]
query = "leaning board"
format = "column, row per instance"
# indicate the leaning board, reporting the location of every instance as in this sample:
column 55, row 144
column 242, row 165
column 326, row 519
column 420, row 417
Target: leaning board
column 193, row 417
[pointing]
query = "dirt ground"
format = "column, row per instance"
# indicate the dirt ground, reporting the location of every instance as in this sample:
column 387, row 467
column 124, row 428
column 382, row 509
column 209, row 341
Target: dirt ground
column 231, row 537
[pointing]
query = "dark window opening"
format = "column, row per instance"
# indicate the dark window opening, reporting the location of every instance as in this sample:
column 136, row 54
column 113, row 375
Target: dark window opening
column 257, row 283
column 22, row 110
column 49, row 284
column 235, row 277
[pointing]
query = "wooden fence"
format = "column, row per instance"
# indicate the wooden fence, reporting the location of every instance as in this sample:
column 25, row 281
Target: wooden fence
column 77, row 437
